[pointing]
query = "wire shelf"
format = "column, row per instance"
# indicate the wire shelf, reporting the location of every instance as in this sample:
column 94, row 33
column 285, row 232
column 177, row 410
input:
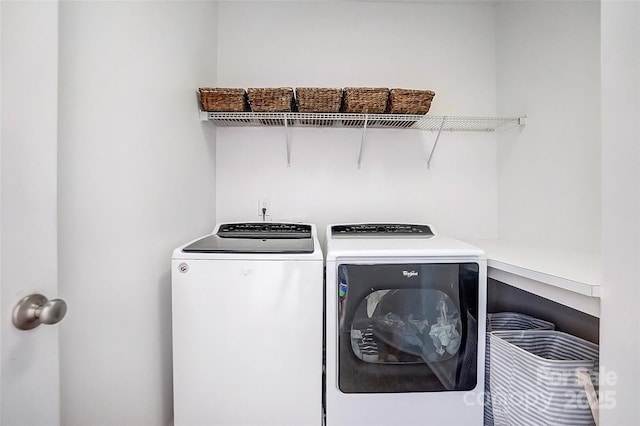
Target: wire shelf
column 423, row 123
column 375, row 121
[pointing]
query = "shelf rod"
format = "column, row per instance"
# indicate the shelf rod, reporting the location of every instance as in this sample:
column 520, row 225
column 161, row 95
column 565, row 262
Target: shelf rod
column 286, row 138
column 364, row 132
column 436, row 142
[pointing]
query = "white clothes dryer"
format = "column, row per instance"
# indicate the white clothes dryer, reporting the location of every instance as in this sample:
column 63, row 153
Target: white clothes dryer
column 404, row 309
column 247, row 307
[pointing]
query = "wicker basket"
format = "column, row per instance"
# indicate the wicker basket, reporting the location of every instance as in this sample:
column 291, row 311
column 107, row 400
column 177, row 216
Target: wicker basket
column 409, row 101
column 365, row 100
column 271, row 99
column 267, row 99
column 217, row 99
column 318, row 100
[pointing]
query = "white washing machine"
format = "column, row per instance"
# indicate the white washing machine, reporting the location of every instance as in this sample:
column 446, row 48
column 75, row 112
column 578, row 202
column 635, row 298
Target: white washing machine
column 247, row 326
column 404, row 309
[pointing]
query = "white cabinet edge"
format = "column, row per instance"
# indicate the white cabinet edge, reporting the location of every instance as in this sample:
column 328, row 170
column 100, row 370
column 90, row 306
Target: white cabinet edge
column 569, row 278
column 582, row 288
column 587, row 304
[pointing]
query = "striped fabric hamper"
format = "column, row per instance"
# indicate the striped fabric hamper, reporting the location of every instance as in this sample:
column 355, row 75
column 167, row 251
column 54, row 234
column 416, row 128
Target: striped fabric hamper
column 537, row 378
column 504, row 321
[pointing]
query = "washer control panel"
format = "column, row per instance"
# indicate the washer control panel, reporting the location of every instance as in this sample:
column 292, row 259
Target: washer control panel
column 382, row 230
column 264, row 230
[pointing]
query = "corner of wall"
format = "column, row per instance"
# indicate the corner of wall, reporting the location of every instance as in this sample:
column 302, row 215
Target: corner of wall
column 549, row 172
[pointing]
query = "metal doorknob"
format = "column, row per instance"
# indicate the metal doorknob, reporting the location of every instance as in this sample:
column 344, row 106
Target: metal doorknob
column 36, row 309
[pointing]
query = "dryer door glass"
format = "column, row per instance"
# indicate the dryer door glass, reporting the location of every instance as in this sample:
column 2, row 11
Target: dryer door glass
column 407, row 328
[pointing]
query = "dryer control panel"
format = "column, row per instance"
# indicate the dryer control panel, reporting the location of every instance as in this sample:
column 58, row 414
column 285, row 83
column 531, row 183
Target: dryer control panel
column 391, row 230
column 264, row 230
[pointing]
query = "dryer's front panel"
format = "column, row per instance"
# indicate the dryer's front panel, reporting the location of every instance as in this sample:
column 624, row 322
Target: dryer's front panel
column 407, row 327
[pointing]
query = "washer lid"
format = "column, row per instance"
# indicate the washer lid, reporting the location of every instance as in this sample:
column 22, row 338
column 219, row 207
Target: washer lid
column 256, row 238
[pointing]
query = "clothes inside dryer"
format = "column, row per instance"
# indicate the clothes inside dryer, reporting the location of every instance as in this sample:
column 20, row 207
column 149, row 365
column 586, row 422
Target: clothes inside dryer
column 421, row 323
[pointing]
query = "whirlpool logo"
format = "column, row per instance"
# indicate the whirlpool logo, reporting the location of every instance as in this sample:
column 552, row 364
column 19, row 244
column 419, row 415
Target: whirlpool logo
column 409, row 274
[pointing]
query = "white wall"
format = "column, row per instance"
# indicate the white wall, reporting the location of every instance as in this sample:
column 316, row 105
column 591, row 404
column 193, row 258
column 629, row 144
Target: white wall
column 620, row 323
column 137, row 179
column 548, row 66
column 134, row 161
column 448, row 48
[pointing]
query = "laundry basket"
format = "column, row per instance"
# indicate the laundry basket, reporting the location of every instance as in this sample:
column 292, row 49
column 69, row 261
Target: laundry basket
column 537, row 378
column 504, row 321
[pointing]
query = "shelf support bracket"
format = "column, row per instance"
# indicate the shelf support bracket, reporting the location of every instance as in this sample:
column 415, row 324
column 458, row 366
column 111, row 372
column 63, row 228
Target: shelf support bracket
column 364, row 133
column 286, row 139
column 433, row 148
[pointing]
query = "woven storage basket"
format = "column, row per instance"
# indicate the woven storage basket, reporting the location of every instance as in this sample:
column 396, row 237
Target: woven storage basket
column 218, row 99
column 271, row 99
column 318, row 100
column 504, row 321
column 364, row 100
column 535, row 378
column 410, row 101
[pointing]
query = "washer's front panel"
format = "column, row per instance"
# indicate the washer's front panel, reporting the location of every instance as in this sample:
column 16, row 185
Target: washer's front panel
column 407, row 327
column 247, row 342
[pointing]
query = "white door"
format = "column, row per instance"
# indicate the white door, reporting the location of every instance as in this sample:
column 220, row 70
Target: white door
column 29, row 375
